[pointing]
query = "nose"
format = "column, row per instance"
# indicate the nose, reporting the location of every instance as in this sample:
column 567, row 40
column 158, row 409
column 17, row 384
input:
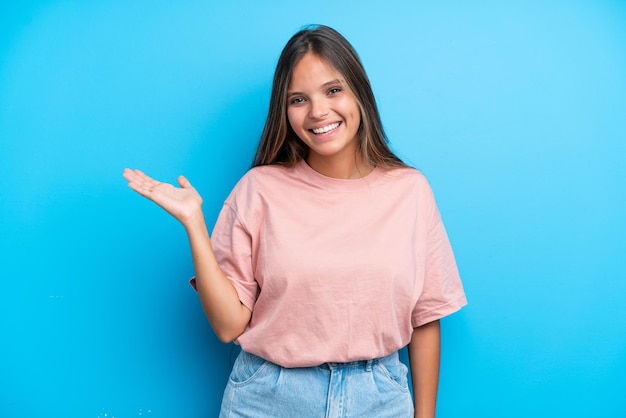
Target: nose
column 318, row 108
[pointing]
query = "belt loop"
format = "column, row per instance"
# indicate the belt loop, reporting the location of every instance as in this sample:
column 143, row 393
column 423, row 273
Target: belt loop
column 368, row 365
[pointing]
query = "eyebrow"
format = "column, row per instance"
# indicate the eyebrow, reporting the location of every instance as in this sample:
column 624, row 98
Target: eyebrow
column 325, row 85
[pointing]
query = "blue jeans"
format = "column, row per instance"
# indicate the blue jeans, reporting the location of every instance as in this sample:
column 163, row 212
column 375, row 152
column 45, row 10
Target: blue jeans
column 374, row 388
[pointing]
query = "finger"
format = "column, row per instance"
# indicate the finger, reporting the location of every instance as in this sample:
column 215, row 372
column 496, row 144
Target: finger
column 139, row 182
column 184, row 183
column 140, row 175
column 146, row 181
column 135, row 176
column 134, row 182
column 128, row 174
column 141, row 188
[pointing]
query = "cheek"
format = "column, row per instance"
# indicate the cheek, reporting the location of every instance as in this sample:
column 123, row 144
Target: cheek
column 355, row 115
column 358, row 113
column 353, row 109
column 293, row 119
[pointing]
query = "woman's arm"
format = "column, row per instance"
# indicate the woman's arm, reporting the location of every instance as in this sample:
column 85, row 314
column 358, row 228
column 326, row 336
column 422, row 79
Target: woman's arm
column 226, row 314
column 424, row 353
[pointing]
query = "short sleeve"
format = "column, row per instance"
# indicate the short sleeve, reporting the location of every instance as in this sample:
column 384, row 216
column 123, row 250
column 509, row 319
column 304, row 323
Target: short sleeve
column 442, row 292
column 232, row 245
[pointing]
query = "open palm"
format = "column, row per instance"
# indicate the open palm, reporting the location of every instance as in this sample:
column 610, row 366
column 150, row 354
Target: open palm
column 181, row 202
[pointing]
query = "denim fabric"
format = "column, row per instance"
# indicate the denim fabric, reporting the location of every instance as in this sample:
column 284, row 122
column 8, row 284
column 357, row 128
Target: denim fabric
column 375, row 388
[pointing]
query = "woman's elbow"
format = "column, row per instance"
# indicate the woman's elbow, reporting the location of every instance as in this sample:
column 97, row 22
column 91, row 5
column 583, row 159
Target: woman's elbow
column 227, row 336
column 229, row 332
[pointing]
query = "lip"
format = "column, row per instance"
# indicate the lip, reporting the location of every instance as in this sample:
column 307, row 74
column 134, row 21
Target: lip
column 328, row 133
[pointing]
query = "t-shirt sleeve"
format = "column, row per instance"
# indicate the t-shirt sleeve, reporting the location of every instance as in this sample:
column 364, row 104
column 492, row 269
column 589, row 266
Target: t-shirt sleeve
column 232, row 244
column 442, row 293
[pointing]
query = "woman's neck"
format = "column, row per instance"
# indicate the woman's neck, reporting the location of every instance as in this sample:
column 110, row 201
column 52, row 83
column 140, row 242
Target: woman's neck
column 352, row 168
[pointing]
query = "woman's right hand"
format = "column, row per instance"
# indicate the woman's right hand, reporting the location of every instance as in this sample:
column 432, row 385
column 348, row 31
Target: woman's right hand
column 184, row 203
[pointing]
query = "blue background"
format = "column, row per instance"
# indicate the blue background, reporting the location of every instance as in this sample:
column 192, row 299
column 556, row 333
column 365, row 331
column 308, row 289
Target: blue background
column 515, row 111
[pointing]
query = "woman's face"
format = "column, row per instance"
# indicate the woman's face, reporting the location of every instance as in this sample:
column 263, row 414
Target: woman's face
column 323, row 112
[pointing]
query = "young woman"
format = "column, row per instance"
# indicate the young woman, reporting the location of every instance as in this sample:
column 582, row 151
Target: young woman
column 328, row 256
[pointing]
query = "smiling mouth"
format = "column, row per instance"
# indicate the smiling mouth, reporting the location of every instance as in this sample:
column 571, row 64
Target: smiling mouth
column 325, row 129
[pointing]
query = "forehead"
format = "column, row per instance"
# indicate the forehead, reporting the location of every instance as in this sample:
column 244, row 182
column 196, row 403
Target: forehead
column 313, row 71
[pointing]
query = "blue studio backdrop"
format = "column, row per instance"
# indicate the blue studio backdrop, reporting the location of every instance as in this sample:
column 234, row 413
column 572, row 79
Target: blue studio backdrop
column 515, row 111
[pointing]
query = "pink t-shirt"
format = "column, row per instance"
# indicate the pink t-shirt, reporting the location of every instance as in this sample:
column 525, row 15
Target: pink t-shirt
column 335, row 270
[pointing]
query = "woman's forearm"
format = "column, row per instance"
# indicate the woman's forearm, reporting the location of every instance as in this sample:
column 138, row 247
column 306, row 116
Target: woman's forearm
column 424, row 354
column 226, row 314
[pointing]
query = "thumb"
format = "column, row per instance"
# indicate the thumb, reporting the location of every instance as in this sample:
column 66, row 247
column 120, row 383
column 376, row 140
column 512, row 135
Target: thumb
column 184, row 183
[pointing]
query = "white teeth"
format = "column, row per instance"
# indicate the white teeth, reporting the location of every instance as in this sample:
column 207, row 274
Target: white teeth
column 326, row 128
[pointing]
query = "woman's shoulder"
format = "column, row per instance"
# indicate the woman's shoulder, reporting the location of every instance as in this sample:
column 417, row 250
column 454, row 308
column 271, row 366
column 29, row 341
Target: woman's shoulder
column 261, row 178
column 266, row 173
column 406, row 176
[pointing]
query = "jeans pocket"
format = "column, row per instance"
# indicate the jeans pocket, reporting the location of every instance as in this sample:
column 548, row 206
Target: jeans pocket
column 246, row 368
column 395, row 372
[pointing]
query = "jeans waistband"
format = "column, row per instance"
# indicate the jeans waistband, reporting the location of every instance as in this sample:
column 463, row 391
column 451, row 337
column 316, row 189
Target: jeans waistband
column 366, row 364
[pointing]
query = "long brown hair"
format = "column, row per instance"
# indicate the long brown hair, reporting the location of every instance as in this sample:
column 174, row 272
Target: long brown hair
column 279, row 144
